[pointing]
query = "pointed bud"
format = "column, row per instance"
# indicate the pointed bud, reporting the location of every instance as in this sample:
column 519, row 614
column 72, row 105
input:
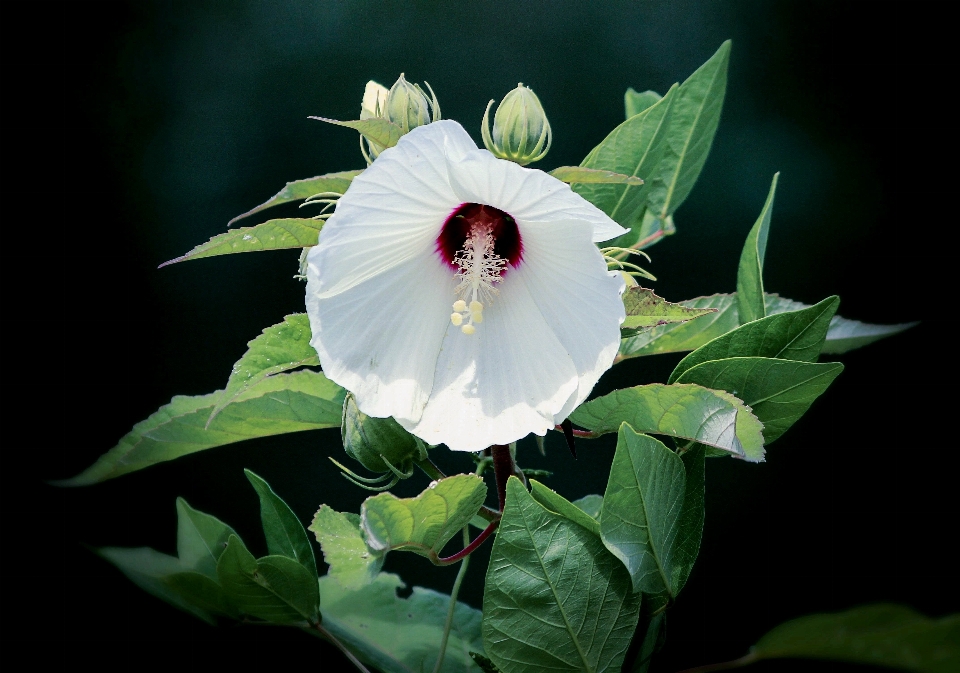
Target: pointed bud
column 408, row 107
column 374, row 99
column 521, row 132
column 372, row 441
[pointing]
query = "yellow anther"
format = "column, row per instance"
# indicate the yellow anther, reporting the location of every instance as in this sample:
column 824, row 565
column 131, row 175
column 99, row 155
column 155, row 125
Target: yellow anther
column 476, row 307
column 468, row 329
column 456, row 319
column 477, row 317
column 459, row 306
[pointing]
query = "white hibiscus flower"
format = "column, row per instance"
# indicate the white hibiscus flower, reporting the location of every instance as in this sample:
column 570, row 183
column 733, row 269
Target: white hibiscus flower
column 435, row 225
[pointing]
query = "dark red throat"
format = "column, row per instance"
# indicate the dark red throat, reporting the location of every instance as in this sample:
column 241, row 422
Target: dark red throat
column 461, row 222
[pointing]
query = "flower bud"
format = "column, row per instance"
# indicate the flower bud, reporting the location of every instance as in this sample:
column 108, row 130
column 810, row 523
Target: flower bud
column 408, row 107
column 521, row 132
column 372, row 441
column 374, row 100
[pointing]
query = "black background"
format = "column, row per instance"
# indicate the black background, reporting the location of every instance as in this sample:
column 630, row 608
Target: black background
column 168, row 119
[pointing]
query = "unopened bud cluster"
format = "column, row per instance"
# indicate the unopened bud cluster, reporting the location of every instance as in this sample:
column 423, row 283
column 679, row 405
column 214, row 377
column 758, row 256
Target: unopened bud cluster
column 404, row 104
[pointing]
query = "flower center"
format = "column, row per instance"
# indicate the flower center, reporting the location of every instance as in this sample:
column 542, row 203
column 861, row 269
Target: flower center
column 478, row 241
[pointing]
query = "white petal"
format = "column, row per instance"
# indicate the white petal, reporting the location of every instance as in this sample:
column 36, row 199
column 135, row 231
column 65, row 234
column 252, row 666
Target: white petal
column 380, row 338
column 505, row 381
column 524, row 193
column 578, row 298
column 392, row 211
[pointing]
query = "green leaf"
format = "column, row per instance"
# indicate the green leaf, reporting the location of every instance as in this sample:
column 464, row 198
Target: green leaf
column 798, row 335
column 425, row 523
column 634, row 103
column 379, row 130
column 150, row 570
column 400, row 635
column 201, row 538
column 485, row 664
column 555, row 598
column 711, row 417
column 352, row 563
column 558, row 504
column 202, row 591
column 887, row 635
column 271, row 235
column 843, row 335
column 279, row 348
column 302, row 400
column 273, row 588
column 590, row 504
column 298, row 190
column 579, row 174
column 640, row 519
column 687, row 545
column 645, row 309
column 750, row 298
column 778, row 391
column 653, row 636
column 693, row 123
column 636, row 147
column 283, row 530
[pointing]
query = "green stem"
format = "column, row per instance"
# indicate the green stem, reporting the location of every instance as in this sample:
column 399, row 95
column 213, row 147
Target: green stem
column 430, row 468
column 724, row 665
column 453, row 602
column 326, row 635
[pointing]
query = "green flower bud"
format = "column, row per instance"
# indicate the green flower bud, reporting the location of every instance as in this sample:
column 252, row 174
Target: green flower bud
column 408, row 107
column 521, row 132
column 374, row 101
column 372, row 441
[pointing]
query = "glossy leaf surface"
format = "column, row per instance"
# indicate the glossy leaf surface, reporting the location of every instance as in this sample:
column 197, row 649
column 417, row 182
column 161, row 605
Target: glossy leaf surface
column 711, row 417
column 797, row 335
column 580, row 174
column 750, row 299
column 303, row 400
column 271, row 235
column 778, row 391
column 547, row 582
column 400, row 635
column 298, row 190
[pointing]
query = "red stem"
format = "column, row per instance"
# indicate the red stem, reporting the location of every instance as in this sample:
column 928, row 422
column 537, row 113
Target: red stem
column 503, row 469
column 470, row 548
column 579, row 433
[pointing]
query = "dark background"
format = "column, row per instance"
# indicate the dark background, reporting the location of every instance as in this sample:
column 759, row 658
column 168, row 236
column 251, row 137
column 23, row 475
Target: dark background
column 169, row 118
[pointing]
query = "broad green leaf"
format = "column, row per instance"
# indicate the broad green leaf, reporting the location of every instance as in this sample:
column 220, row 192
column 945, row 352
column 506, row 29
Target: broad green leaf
column 751, row 302
column 798, row 335
column 400, row 635
column 273, row 588
column 298, row 190
column 201, row 538
column 302, row 400
column 640, row 519
column 203, row 592
column 634, row 103
column 778, row 391
column 425, row 523
column 283, row 530
column 687, row 545
column 693, row 122
column 887, row 635
column 485, row 664
column 634, row 148
column 579, row 174
column 379, row 130
column 590, row 504
column 558, row 504
column 645, row 309
column 711, row 417
column 271, row 235
column 150, row 570
column 548, row 583
column 844, row 334
column 279, row 348
column 352, row 563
